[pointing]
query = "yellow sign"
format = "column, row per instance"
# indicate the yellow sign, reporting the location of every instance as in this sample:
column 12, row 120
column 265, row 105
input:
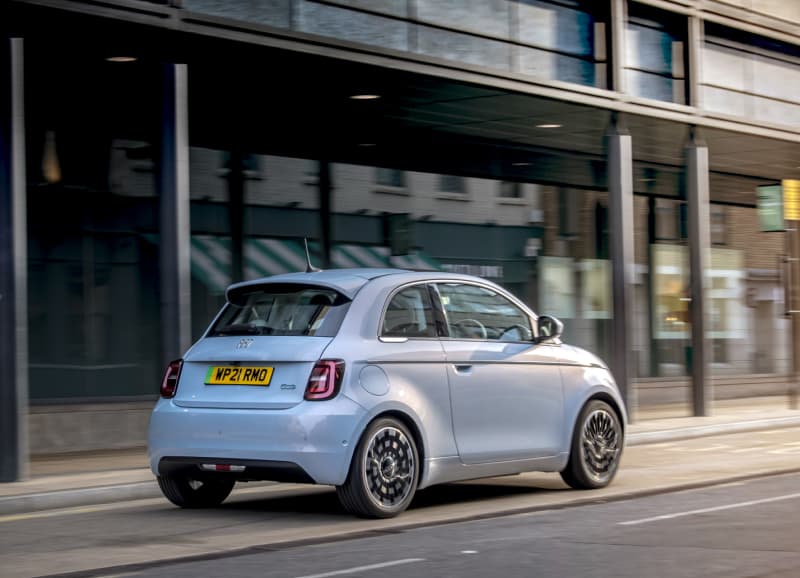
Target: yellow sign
column 791, row 199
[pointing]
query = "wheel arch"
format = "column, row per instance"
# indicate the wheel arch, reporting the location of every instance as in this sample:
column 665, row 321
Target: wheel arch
column 410, row 423
column 607, row 398
column 575, row 474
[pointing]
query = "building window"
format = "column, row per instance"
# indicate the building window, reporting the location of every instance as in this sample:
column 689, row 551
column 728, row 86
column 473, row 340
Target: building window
column 563, row 40
column 667, row 220
column 655, row 59
column 750, row 76
column 510, row 190
column 718, row 217
column 390, row 178
column 452, row 184
column 311, row 172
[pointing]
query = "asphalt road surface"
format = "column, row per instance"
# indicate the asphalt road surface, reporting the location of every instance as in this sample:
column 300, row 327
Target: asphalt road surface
column 744, row 529
column 639, row 527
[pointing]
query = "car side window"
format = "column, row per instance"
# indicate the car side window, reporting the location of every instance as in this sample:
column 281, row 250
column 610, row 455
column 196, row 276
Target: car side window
column 474, row 312
column 409, row 314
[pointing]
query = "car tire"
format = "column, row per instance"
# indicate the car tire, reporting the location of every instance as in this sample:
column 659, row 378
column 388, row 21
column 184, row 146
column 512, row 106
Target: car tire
column 187, row 492
column 384, row 471
column 597, row 442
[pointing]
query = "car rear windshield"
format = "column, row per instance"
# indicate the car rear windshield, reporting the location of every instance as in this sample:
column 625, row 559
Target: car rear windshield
column 282, row 310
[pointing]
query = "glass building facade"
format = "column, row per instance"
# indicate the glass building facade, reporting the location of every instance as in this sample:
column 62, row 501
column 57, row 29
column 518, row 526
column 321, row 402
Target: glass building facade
column 463, row 135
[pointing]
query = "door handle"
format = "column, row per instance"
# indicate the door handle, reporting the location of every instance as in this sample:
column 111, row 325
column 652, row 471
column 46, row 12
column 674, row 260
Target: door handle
column 463, row 369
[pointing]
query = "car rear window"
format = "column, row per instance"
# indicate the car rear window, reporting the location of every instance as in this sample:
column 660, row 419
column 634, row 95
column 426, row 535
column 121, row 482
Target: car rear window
column 282, row 310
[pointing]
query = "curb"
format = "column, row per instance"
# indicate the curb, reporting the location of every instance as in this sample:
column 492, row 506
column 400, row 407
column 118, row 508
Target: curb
column 691, row 432
column 25, row 503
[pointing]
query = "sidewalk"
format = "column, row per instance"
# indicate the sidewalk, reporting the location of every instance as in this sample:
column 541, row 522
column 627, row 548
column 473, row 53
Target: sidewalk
column 86, row 478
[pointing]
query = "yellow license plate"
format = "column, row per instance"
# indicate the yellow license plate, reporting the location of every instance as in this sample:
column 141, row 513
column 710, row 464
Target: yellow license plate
column 238, row 375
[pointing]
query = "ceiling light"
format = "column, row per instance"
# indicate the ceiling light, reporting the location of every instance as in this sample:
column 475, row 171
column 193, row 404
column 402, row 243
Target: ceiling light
column 521, row 164
column 548, row 126
column 367, row 144
column 365, row 96
column 121, row 59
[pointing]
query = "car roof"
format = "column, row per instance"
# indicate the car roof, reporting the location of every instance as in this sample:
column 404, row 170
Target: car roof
column 345, row 281
column 348, row 282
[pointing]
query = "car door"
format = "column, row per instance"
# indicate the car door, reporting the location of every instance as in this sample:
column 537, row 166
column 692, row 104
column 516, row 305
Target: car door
column 505, row 391
column 410, row 356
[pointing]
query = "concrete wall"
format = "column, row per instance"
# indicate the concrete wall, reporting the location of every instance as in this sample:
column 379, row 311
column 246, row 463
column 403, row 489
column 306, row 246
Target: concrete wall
column 80, row 427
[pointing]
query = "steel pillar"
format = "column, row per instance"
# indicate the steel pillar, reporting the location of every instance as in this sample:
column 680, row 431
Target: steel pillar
column 325, row 212
column 697, row 200
column 13, row 267
column 620, row 205
column 175, row 272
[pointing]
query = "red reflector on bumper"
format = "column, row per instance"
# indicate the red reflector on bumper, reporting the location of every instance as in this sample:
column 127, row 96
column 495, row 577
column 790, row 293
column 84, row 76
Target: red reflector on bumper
column 221, row 468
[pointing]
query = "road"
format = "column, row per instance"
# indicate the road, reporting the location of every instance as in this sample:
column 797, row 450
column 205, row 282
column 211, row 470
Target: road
column 735, row 530
column 286, row 530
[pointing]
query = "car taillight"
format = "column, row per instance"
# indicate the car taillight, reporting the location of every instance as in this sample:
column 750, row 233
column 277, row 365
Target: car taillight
column 325, row 380
column 169, row 385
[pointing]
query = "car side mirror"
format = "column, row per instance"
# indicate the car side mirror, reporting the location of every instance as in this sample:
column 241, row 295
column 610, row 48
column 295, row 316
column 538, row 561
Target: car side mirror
column 548, row 328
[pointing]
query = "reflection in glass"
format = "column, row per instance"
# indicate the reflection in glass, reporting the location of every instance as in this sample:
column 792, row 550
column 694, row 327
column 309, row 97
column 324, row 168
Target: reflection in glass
column 557, row 287
column 655, row 42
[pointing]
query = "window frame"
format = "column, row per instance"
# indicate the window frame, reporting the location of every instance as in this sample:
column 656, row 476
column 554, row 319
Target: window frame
column 435, row 309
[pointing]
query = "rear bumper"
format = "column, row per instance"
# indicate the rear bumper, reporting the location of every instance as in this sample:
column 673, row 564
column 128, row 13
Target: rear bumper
column 247, row 469
column 310, row 442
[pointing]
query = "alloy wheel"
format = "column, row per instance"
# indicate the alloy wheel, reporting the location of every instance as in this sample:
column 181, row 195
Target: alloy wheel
column 389, row 467
column 600, row 440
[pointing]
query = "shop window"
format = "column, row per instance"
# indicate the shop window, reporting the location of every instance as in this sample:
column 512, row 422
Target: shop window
column 667, row 220
column 720, row 350
column 655, row 59
column 569, row 205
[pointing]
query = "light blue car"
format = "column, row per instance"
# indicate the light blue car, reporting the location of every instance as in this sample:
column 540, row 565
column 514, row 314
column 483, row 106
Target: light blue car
column 380, row 382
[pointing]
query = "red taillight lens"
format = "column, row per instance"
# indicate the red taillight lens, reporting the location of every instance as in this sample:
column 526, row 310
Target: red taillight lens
column 325, row 380
column 169, row 385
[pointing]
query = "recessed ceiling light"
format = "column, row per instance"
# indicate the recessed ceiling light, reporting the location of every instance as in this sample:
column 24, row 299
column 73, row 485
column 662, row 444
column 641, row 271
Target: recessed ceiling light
column 548, row 126
column 521, row 164
column 121, row 59
column 365, row 96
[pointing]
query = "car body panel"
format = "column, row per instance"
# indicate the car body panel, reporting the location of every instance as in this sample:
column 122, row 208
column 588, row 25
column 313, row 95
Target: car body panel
column 346, row 281
column 317, row 437
column 506, row 398
column 290, row 357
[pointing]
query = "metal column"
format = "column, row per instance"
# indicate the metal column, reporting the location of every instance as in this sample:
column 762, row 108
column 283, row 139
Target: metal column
column 620, row 204
column 619, row 19
column 13, row 268
column 236, row 179
column 175, row 228
column 325, row 212
column 697, row 199
column 791, row 196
